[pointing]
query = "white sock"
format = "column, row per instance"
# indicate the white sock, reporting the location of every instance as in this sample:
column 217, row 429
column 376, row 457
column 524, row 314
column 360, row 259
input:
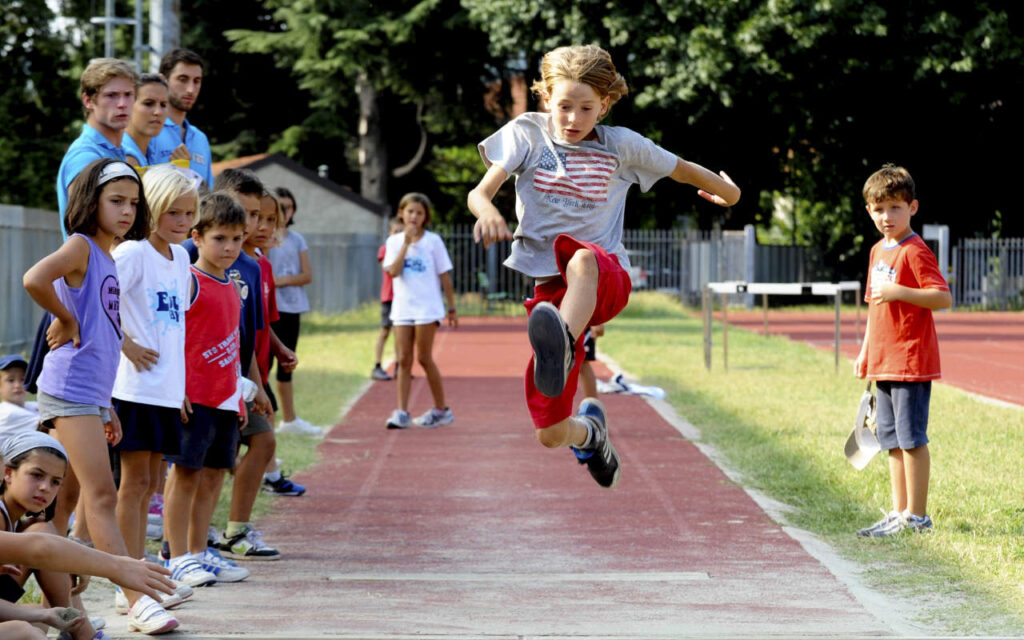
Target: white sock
column 590, row 435
column 273, row 476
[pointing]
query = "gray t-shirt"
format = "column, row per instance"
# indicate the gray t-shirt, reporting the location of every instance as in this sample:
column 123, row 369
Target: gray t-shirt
column 577, row 189
column 286, row 262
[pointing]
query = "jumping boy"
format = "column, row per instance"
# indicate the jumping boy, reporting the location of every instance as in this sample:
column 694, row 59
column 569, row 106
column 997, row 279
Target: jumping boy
column 901, row 351
column 572, row 176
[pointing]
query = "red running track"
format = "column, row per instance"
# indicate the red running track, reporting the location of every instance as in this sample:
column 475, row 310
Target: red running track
column 981, row 352
column 474, row 530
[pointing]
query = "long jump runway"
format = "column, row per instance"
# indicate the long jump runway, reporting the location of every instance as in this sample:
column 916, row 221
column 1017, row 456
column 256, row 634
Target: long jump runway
column 980, row 351
column 473, row 530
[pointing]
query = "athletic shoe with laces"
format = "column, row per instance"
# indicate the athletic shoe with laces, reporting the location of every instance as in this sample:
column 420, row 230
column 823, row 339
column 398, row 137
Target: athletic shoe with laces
column 121, row 606
column 885, row 523
column 190, row 572
column 893, row 527
column 247, row 545
column 283, row 486
column 600, row 456
column 553, row 349
column 435, row 418
column 150, row 618
column 379, row 374
column 300, row 427
column 919, row 524
column 399, row 420
column 225, row 570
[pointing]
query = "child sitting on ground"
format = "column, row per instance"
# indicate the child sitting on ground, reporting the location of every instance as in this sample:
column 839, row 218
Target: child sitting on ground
column 16, row 414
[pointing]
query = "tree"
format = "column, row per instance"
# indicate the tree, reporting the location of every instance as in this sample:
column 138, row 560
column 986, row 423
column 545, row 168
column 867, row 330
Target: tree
column 37, row 104
column 801, row 100
column 398, row 57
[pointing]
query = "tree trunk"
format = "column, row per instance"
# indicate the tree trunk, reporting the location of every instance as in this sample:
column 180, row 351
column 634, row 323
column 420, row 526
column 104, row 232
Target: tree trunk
column 373, row 157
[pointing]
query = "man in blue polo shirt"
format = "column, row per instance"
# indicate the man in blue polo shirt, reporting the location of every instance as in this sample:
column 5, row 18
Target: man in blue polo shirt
column 108, row 95
column 183, row 70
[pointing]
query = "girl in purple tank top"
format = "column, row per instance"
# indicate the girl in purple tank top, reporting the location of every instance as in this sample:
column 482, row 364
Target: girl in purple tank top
column 78, row 285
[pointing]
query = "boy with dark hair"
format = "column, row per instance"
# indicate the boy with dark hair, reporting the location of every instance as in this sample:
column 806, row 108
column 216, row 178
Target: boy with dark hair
column 183, row 70
column 16, row 415
column 901, row 350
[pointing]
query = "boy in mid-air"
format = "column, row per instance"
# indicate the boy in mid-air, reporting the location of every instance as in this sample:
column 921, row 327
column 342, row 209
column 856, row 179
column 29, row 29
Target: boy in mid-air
column 901, row 351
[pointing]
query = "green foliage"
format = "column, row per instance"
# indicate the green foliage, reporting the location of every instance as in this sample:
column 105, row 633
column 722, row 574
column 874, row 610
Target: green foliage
column 37, row 105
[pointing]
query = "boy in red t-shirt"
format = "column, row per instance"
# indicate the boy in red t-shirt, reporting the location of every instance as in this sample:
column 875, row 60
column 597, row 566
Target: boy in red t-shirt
column 901, row 351
column 386, row 295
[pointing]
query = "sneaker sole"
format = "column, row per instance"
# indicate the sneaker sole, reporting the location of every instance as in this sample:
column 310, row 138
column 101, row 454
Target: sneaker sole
column 547, row 337
column 170, row 625
column 284, row 494
column 392, row 425
column 242, row 556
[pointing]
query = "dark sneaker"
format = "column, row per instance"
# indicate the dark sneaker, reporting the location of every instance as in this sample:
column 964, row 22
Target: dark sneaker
column 553, row 352
column 247, row 545
column 379, row 374
column 600, row 457
column 283, row 487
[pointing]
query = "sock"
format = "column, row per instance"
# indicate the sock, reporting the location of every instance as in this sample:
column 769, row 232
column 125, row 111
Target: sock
column 377, row 366
column 273, row 476
column 590, row 435
column 235, row 528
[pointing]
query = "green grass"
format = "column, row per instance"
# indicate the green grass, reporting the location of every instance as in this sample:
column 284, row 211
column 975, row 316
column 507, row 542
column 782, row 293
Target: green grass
column 781, row 414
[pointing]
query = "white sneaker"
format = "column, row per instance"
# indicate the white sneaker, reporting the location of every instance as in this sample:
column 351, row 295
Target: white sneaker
column 300, row 427
column 435, row 418
column 121, row 606
column 185, row 569
column 97, row 622
column 183, row 590
column 150, row 618
column 399, row 420
column 225, row 571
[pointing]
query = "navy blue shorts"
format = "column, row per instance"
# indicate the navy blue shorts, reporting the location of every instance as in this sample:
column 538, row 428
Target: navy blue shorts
column 208, row 439
column 148, row 428
column 902, row 414
column 385, row 314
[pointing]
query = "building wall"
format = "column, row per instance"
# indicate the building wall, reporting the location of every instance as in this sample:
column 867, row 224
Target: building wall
column 320, row 210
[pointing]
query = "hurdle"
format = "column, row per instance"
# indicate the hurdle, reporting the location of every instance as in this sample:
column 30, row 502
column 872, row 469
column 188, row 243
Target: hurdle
column 765, row 289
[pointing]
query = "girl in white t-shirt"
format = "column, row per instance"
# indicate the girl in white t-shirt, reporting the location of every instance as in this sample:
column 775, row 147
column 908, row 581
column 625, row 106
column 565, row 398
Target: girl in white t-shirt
column 417, row 260
column 149, row 391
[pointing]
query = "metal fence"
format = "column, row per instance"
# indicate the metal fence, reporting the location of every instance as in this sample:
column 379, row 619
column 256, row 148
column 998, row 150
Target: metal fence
column 26, row 236
column 989, row 273
column 671, row 260
column 345, row 270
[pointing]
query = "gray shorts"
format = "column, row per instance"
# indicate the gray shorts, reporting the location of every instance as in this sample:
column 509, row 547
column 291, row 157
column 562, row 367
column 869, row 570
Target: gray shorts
column 902, row 414
column 256, row 424
column 51, row 407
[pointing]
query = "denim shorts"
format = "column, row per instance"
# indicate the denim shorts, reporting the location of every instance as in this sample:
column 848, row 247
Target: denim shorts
column 902, row 414
column 51, row 407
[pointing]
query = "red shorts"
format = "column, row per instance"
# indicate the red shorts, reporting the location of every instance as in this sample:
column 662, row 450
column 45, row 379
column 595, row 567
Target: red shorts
column 613, row 288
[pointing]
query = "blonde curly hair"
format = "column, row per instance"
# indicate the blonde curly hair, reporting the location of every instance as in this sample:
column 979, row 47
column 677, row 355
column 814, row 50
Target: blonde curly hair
column 585, row 64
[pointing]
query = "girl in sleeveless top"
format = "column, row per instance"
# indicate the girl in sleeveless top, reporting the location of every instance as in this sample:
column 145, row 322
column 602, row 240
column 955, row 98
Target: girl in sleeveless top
column 78, row 285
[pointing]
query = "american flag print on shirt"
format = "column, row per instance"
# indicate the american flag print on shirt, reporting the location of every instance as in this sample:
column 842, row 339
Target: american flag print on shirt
column 579, row 174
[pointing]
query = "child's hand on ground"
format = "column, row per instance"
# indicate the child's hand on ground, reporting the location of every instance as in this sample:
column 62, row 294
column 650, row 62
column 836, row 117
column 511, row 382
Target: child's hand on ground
column 55, row 617
column 140, row 356
column 59, row 333
column 491, row 228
